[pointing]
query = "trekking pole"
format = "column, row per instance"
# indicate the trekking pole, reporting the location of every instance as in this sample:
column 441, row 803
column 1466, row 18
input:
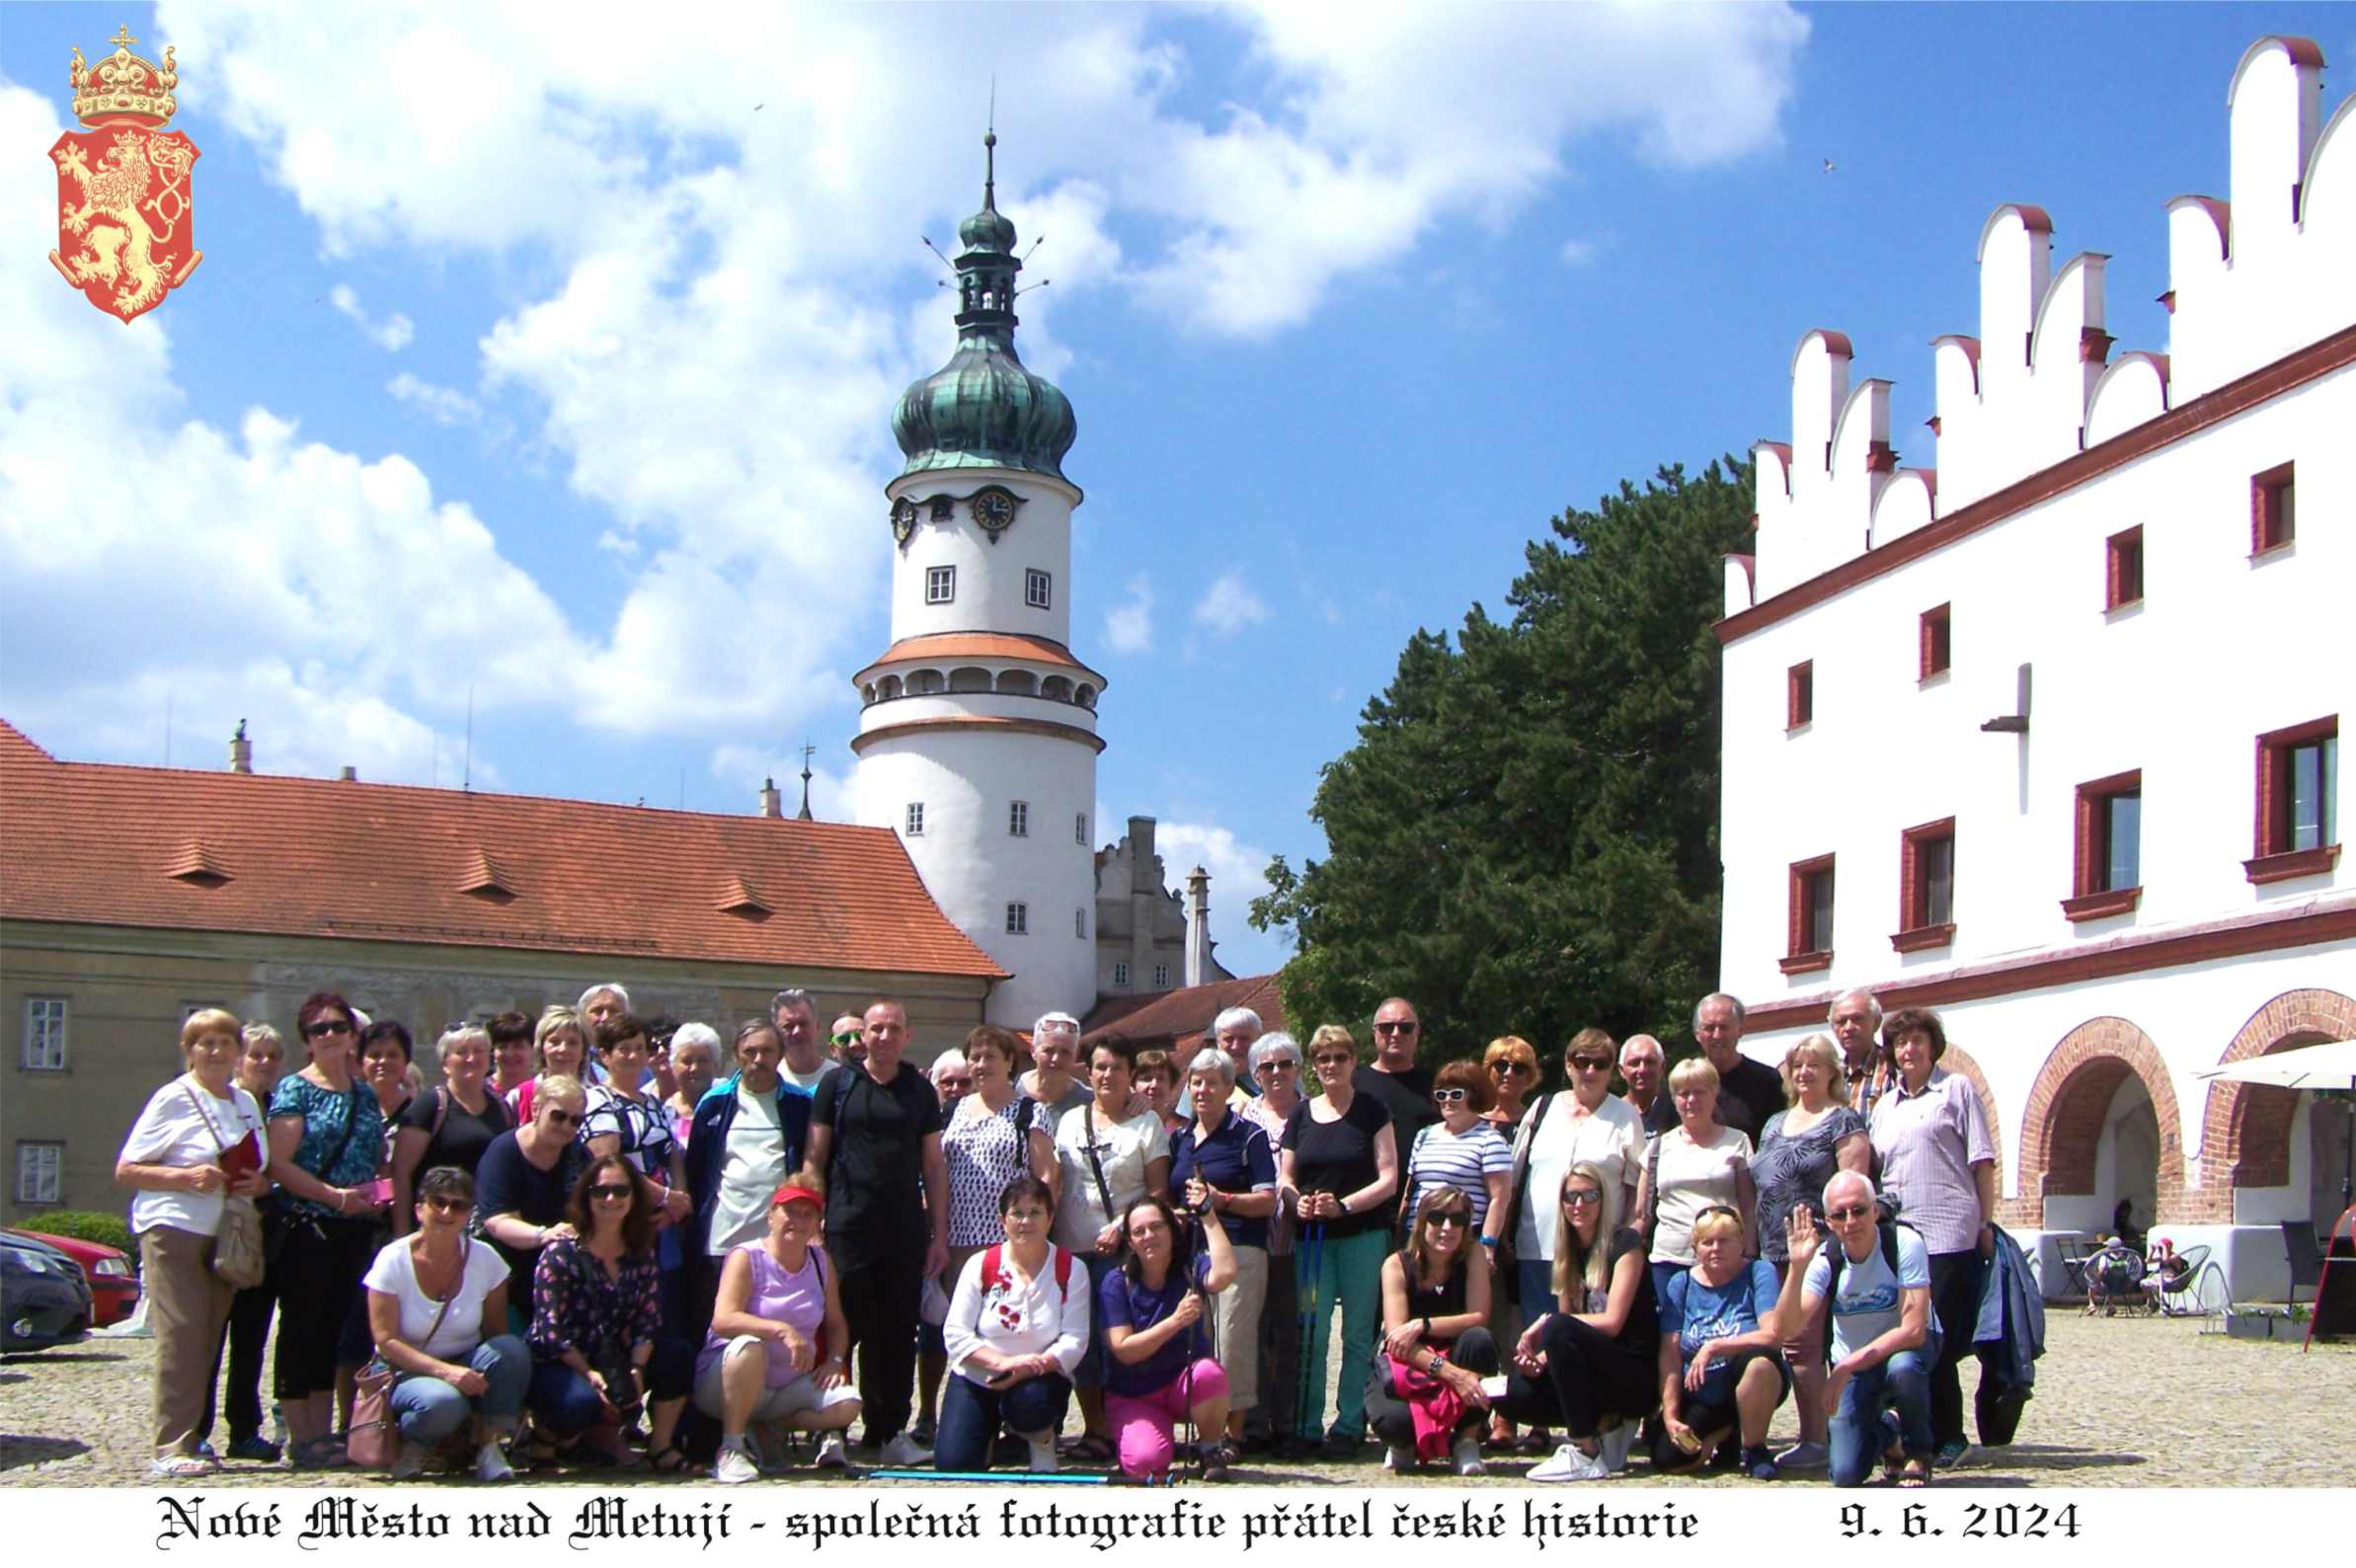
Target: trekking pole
column 1311, row 1253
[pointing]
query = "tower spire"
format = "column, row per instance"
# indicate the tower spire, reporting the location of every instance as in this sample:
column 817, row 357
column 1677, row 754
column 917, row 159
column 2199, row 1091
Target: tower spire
column 989, row 153
column 807, row 751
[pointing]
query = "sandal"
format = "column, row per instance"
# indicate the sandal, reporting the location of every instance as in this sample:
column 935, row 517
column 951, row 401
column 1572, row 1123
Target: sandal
column 320, row 1453
column 666, row 1461
column 1916, row 1475
column 182, row 1468
column 1089, row 1448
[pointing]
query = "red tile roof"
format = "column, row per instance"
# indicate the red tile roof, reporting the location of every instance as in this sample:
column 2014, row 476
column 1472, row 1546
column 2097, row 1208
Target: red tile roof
column 1183, row 1014
column 940, row 646
column 104, row 844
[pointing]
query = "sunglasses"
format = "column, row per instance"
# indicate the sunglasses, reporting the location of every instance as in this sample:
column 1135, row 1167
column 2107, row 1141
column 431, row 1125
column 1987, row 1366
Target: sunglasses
column 1592, row 1063
column 1450, row 1219
column 1578, row 1197
column 847, row 1036
column 1855, row 1212
column 446, row 1206
column 601, row 1190
column 1511, row 1066
column 1281, row 1064
column 563, row 1118
column 332, row 1026
column 1448, row 1096
column 1337, row 1062
column 1403, row 1027
column 1720, row 1209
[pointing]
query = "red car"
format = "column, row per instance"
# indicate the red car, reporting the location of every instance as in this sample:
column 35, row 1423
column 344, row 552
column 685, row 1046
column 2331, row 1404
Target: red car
column 114, row 1284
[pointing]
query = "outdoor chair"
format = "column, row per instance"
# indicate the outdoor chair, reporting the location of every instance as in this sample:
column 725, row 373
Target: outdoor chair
column 2178, row 1293
column 2306, row 1257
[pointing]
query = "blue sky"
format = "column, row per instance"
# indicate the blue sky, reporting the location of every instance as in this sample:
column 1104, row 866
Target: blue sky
column 556, row 360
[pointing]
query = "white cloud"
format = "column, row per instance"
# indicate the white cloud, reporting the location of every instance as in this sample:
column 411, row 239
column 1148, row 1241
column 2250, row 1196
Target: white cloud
column 1578, row 252
column 1237, row 877
column 440, row 404
column 1129, row 625
column 743, row 769
column 392, row 335
column 1229, row 606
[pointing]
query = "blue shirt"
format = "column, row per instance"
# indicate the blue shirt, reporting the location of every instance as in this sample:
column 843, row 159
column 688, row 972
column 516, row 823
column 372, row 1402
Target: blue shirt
column 324, row 1112
column 1235, row 1158
column 1123, row 1305
column 1698, row 1314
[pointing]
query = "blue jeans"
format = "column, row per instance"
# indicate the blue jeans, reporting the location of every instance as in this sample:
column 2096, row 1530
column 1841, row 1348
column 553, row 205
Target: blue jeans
column 567, row 1403
column 1858, row 1432
column 1089, row 1373
column 428, row 1410
column 1536, row 1278
column 971, row 1415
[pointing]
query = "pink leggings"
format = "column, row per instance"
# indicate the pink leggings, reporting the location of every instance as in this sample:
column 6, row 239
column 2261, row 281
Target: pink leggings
column 1141, row 1422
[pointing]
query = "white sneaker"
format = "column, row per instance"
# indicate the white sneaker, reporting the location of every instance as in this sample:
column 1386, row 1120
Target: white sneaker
column 905, row 1451
column 1615, row 1442
column 1569, row 1464
column 833, row 1454
column 1803, row 1457
column 1468, row 1455
column 1042, row 1456
column 410, row 1463
column 735, row 1466
column 1398, row 1458
column 491, row 1463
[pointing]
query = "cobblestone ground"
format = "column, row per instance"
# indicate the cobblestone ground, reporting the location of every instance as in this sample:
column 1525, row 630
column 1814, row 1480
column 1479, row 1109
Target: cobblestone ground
column 2120, row 1402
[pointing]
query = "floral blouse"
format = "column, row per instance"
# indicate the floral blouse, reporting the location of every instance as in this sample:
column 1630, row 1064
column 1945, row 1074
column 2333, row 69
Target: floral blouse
column 323, row 1113
column 577, row 1305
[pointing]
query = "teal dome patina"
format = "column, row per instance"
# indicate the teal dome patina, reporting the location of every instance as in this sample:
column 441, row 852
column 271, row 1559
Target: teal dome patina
column 983, row 409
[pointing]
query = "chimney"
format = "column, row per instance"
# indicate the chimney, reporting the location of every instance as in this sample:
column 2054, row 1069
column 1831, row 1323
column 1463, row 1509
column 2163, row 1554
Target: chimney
column 350, row 776
column 1197, row 927
column 771, row 803
column 241, row 750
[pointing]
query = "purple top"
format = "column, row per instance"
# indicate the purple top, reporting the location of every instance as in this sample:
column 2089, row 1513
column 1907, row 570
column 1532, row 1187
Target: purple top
column 1927, row 1144
column 798, row 1298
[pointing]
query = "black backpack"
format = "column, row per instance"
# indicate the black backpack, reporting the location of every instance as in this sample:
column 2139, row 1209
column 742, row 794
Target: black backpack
column 1886, row 1226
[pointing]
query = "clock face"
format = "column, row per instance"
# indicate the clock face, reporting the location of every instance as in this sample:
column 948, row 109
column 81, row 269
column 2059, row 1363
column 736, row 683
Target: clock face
column 903, row 519
column 994, row 509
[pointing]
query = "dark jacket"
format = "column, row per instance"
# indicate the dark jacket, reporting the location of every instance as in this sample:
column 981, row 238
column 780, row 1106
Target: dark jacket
column 707, row 1150
column 2009, row 1332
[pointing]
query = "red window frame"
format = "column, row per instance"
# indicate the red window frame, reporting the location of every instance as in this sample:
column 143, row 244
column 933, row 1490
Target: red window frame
column 2091, row 852
column 2272, row 859
column 2273, row 509
column 1800, row 959
column 2122, row 569
column 1917, row 930
column 1938, row 640
column 1799, row 694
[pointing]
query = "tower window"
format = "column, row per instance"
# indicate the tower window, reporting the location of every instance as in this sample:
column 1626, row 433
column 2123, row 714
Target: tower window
column 1121, row 976
column 1161, row 977
column 1079, row 924
column 940, row 585
column 1039, row 589
column 1080, row 828
column 1936, row 642
column 1018, row 919
column 1018, row 820
column 915, row 818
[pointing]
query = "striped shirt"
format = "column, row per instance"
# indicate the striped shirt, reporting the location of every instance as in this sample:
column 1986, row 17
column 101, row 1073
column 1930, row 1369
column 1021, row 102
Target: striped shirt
column 1927, row 1144
column 648, row 1140
column 1442, row 1158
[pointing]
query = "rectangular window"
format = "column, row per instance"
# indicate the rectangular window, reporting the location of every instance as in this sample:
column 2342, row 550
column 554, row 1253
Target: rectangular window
column 2273, row 510
column 41, row 1173
column 1038, row 590
column 1079, row 924
column 1121, row 976
column 1080, row 828
column 1161, row 977
column 1936, row 642
column 2108, row 873
column 1018, row 919
column 2122, row 569
column 915, row 818
column 2298, row 815
column 1808, row 942
column 1018, row 820
column 940, row 585
column 44, row 1034
column 1926, row 896
column 1799, row 694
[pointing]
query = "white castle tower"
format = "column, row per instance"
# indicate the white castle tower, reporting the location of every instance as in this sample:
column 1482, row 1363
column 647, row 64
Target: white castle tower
column 977, row 733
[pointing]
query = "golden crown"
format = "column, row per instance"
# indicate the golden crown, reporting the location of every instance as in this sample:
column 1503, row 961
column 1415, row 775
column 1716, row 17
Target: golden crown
column 122, row 86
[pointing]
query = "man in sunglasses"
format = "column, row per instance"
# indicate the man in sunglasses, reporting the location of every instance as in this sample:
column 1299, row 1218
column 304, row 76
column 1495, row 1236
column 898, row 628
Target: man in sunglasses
column 805, row 1061
column 1393, row 1078
column 846, row 1039
column 1643, row 1065
column 1750, row 1093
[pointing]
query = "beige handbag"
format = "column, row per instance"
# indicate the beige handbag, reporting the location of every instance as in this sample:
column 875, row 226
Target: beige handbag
column 237, row 1247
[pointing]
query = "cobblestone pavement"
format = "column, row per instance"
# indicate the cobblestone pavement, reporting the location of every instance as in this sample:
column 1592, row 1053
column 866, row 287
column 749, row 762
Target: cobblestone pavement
column 2120, row 1402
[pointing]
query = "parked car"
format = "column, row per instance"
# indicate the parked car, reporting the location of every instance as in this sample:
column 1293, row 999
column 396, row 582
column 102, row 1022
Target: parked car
column 45, row 1299
column 114, row 1283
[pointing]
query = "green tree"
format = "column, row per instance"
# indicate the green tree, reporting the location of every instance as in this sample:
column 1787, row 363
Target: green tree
column 1525, row 837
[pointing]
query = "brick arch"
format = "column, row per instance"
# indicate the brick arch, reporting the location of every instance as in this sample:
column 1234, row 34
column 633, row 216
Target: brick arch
column 1958, row 1059
column 2067, row 1105
column 2245, row 1128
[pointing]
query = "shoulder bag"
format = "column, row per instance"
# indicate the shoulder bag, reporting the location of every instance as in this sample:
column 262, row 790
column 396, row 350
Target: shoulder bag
column 237, row 1247
column 375, row 1437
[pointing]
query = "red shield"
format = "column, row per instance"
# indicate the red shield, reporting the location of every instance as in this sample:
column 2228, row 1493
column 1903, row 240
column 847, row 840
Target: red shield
column 126, row 229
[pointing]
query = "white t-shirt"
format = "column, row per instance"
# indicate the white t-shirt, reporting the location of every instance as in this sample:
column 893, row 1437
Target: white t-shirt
column 751, row 1165
column 1124, row 1150
column 173, row 1131
column 1610, row 1138
column 1870, row 1303
column 806, row 1083
column 395, row 1274
column 1693, row 1177
column 1017, row 1319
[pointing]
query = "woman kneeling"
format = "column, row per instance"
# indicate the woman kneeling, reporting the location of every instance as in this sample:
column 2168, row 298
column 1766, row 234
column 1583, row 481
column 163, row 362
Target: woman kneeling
column 772, row 1356
column 430, row 1295
column 1161, row 1370
column 1016, row 1328
column 1425, row 1396
column 1722, row 1368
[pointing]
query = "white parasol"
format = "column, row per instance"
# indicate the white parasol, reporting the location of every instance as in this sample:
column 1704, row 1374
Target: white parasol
column 2329, row 1066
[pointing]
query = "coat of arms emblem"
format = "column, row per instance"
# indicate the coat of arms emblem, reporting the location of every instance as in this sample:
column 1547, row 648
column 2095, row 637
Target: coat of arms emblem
column 126, row 218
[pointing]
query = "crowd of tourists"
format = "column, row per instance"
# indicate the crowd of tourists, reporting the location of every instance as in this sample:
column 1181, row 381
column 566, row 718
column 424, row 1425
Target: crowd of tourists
column 598, row 1239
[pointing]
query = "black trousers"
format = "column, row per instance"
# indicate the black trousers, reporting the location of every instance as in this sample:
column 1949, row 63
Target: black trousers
column 1955, row 1278
column 241, row 1338
column 1280, row 1351
column 880, row 1298
column 1588, row 1376
column 317, row 1276
column 1394, row 1419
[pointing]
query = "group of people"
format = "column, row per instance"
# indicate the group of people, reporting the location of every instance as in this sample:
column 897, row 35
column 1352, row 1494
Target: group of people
column 600, row 1239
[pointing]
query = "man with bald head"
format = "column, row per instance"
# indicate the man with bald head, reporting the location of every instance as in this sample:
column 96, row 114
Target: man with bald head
column 1750, row 1093
column 1394, row 1078
column 1644, row 1069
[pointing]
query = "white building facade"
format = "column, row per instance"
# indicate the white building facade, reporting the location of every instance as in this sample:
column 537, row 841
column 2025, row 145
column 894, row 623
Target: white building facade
column 977, row 736
column 2046, row 737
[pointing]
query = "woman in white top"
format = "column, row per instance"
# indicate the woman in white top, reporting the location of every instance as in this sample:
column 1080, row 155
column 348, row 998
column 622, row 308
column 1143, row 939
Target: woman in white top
column 197, row 1145
column 1112, row 1150
column 1696, row 1164
column 432, row 1294
column 1018, row 1324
